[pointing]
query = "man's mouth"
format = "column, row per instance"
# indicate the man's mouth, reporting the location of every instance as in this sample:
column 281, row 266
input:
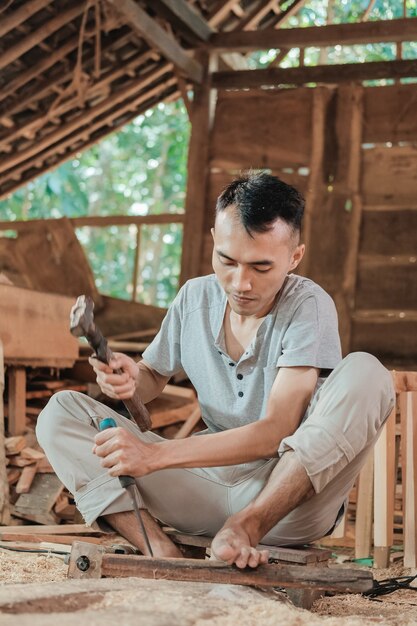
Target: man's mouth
column 241, row 299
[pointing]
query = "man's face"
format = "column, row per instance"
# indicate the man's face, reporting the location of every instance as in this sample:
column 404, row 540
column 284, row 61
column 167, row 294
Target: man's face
column 252, row 270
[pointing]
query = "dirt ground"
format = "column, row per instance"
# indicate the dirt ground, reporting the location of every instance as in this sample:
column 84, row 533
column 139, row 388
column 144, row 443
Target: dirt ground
column 396, row 609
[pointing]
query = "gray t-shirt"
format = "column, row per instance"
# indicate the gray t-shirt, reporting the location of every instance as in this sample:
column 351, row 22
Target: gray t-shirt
column 300, row 330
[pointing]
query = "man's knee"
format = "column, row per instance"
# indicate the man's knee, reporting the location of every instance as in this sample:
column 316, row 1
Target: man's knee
column 366, row 375
column 54, row 416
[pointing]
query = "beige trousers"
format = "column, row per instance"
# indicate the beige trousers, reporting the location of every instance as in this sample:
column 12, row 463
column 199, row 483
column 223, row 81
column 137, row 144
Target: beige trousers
column 343, row 422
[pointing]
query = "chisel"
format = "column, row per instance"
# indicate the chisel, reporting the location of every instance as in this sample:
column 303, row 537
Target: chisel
column 129, row 483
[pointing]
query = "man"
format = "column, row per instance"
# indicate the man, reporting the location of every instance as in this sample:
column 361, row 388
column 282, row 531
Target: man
column 289, row 424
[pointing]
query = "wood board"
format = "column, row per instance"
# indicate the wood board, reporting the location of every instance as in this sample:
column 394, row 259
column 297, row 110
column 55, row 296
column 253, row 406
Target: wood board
column 34, row 326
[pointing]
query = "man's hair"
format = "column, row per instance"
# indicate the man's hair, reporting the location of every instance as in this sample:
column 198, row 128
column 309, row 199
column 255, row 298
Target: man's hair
column 260, row 199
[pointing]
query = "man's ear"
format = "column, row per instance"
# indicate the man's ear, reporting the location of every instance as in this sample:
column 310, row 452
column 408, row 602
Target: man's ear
column 297, row 255
column 212, row 232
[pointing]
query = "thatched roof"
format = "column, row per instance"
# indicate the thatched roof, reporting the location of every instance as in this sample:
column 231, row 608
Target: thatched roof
column 73, row 72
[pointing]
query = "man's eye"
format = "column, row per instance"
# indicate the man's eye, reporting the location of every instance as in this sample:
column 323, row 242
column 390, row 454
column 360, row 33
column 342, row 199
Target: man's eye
column 261, row 270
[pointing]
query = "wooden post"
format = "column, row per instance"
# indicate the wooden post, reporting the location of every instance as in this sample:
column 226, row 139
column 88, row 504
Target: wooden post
column 4, row 485
column 364, row 501
column 321, row 97
column 17, row 401
column 198, row 173
column 384, row 488
column 408, row 411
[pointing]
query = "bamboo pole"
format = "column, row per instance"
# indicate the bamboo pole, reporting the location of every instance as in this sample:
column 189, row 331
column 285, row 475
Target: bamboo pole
column 4, row 485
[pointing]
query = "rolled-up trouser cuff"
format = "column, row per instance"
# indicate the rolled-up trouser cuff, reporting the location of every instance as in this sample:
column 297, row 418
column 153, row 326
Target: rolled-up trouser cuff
column 101, row 496
column 335, row 453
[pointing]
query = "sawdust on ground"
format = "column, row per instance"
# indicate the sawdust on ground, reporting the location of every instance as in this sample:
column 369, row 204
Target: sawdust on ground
column 396, row 609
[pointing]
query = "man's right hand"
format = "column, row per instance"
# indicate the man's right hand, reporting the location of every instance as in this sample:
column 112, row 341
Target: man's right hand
column 118, row 386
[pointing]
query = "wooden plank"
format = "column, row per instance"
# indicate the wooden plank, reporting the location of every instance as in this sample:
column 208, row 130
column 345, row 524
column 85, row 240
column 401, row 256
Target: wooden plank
column 396, row 343
column 29, row 537
column 334, row 74
column 24, row 12
column 404, row 381
column 46, row 315
column 36, row 506
column 392, row 286
column 54, row 529
column 156, row 37
column 61, row 266
column 4, row 485
column 17, row 400
column 364, row 502
column 242, row 138
column 342, row 580
column 389, row 173
column 317, row 36
column 172, row 416
column 189, row 424
column 15, row 444
column 389, row 232
column 395, row 103
column 102, row 221
column 26, row 479
column 408, row 412
column 384, row 490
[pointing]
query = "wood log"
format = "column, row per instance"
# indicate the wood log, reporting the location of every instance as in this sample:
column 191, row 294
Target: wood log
column 114, row 565
column 4, row 484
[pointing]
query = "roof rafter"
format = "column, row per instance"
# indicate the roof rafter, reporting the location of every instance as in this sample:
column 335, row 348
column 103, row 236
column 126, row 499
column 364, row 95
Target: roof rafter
column 274, row 77
column 185, row 14
column 157, row 37
column 404, row 29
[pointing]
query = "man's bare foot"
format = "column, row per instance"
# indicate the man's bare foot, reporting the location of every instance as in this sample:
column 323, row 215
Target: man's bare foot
column 126, row 524
column 232, row 545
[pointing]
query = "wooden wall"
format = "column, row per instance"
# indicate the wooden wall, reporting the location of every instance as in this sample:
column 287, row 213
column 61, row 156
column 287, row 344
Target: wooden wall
column 352, row 151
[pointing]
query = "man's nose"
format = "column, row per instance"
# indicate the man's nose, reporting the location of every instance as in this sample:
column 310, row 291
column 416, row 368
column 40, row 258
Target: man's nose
column 242, row 280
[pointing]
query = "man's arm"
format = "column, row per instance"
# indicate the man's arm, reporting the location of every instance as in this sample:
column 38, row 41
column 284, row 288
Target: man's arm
column 290, row 395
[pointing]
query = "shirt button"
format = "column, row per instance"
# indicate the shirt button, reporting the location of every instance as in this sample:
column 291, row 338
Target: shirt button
column 232, row 364
column 240, row 376
column 240, row 394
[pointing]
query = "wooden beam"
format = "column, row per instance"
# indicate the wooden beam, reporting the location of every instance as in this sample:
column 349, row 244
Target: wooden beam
column 198, row 169
column 17, row 400
column 187, row 15
column 37, row 36
column 404, row 29
column 11, row 21
column 156, row 37
column 364, row 502
column 118, row 565
column 274, row 77
column 4, row 485
column 408, row 411
column 100, row 221
column 384, row 493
